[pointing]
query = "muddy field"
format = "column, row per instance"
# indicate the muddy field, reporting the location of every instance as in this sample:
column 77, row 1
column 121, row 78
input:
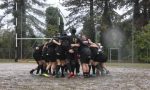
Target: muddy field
column 15, row 76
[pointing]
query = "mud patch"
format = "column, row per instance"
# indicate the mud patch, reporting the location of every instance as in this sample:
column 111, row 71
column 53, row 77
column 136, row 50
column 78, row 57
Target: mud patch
column 15, row 76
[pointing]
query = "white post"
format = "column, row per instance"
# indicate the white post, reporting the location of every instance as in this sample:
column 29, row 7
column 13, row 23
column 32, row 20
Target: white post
column 16, row 40
column 16, row 56
column 132, row 44
column 133, row 40
column 147, row 55
column 118, row 54
column 21, row 33
column 34, row 38
column 16, row 6
column 110, row 55
column 16, row 51
column 58, row 21
column 16, row 21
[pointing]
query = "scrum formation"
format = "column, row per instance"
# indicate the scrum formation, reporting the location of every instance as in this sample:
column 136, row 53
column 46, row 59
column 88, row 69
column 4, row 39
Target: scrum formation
column 70, row 56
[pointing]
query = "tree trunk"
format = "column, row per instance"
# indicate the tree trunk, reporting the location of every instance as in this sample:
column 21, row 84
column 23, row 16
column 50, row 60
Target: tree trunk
column 92, row 28
column 136, row 13
column 106, row 21
column 106, row 15
column 20, row 27
column 145, row 12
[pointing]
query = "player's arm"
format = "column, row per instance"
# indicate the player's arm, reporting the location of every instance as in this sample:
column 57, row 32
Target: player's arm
column 54, row 41
column 44, row 46
column 93, row 45
column 77, row 44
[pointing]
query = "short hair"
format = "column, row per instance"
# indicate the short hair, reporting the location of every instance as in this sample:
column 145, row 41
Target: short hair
column 73, row 31
column 64, row 34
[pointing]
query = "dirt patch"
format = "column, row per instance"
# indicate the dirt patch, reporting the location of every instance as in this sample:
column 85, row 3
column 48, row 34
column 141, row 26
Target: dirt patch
column 15, row 76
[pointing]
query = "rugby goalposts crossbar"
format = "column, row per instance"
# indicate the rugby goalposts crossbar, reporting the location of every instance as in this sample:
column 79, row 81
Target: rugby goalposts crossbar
column 29, row 39
column 32, row 38
column 16, row 52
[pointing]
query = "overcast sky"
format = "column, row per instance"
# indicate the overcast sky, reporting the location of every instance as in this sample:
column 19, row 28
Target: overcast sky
column 56, row 3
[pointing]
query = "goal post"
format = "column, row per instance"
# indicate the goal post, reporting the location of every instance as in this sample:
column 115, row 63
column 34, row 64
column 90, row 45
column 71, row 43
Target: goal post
column 114, row 54
column 16, row 46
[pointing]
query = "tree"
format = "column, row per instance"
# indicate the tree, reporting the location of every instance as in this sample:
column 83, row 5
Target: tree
column 26, row 10
column 54, row 22
column 26, row 14
column 138, row 10
column 142, row 42
column 96, row 11
column 92, row 26
column 7, row 43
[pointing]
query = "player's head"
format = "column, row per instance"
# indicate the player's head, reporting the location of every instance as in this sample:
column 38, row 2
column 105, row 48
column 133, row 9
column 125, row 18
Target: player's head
column 83, row 37
column 73, row 31
column 64, row 34
column 58, row 35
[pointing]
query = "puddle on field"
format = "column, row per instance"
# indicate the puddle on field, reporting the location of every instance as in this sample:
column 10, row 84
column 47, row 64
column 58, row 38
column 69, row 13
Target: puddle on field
column 16, row 77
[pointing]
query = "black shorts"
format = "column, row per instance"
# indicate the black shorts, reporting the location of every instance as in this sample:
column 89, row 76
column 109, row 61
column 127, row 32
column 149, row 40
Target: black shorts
column 61, row 56
column 85, row 55
column 93, row 56
column 42, row 57
column 46, row 58
column 50, row 58
column 72, row 58
column 38, row 58
column 93, row 53
column 101, row 58
column 85, row 59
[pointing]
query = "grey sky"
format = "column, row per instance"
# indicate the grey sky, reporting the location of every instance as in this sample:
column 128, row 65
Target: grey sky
column 56, row 3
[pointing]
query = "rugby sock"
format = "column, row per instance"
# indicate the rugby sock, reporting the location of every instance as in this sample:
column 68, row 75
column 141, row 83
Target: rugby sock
column 38, row 69
column 77, row 68
column 69, row 67
column 72, row 68
column 93, row 68
column 84, row 74
column 62, row 70
column 98, row 67
column 44, row 70
column 90, row 68
column 87, row 74
column 65, row 68
column 57, row 69
column 50, row 70
column 53, row 73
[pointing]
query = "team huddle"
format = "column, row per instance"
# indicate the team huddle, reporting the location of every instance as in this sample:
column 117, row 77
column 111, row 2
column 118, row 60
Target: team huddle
column 68, row 56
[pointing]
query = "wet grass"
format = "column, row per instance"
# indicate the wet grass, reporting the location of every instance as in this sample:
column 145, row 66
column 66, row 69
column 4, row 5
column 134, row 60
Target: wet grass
column 126, row 65
column 130, row 65
column 19, row 61
column 7, row 60
column 15, row 76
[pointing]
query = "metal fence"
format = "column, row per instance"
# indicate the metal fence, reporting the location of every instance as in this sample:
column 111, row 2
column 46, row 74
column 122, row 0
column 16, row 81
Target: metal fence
column 114, row 55
column 9, row 54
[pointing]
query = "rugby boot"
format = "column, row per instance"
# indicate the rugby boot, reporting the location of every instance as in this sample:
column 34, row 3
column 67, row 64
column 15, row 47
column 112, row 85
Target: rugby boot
column 71, row 75
column 31, row 72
